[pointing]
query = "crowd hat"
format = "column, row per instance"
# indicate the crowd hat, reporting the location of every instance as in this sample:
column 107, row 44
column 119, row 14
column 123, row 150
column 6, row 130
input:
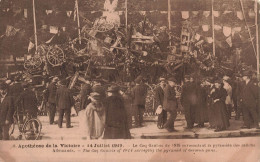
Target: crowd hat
column 172, row 79
column 162, row 79
column 95, row 96
column 218, row 80
column 55, row 79
column 246, row 73
column 113, row 88
column 63, row 82
column 25, row 84
column 139, row 79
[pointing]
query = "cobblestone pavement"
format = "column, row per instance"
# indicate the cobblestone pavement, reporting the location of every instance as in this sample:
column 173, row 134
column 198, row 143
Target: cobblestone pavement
column 148, row 131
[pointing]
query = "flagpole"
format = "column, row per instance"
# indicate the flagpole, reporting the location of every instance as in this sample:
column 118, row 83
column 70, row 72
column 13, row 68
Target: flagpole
column 77, row 9
column 169, row 19
column 126, row 18
column 35, row 29
column 257, row 41
column 213, row 32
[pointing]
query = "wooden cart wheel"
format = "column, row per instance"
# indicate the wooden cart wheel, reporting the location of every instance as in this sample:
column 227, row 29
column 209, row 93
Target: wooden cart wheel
column 33, row 63
column 104, row 27
column 55, row 56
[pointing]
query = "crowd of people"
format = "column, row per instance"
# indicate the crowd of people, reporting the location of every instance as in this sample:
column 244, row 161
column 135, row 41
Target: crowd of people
column 106, row 111
column 209, row 100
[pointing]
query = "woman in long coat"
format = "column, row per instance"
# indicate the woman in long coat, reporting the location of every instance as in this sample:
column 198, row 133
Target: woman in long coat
column 201, row 112
column 218, row 96
column 92, row 119
column 116, row 126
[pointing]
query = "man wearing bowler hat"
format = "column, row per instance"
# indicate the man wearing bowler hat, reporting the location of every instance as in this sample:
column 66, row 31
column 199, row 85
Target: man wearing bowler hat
column 170, row 104
column 64, row 102
column 50, row 95
column 249, row 96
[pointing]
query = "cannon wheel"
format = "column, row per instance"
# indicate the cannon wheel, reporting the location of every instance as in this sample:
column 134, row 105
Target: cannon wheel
column 33, row 63
column 55, row 56
column 104, row 27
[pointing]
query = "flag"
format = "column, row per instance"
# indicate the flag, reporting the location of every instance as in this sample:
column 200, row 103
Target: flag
column 185, row 14
column 69, row 13
column 25, row 13
column 205, row 28
column 229, row 41
column 227, row 30
column 53, row 29
column 48, row 12
column 30, row 46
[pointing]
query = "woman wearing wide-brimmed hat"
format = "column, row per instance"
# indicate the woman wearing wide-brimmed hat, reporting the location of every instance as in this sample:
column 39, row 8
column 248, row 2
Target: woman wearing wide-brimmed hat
column 218, row 106
column 116, row 126
column 92, row 119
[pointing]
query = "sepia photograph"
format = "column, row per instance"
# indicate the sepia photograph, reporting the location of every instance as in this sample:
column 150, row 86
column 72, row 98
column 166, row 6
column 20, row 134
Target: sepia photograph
column 136, row 71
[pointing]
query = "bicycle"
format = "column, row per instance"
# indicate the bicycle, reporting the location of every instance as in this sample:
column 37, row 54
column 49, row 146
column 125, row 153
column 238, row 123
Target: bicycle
column 29, row 127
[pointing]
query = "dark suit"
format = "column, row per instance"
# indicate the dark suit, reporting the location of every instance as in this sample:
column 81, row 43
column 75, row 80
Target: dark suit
column 170, row 105
column 188, row 101
column 6, row 114
column 51, row 99
column 28, row 101
column 249, row 96
column 139, row 93
column 159, row 96
column 64, row 102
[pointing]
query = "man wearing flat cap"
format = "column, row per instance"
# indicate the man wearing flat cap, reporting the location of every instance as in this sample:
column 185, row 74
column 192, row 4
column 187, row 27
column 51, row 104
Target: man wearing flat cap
column 249, row 99
column 138, row 94
column 170, row 104
column 159, row 96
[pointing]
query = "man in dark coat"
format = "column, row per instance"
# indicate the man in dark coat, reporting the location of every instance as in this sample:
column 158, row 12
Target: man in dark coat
column 15, row 90
column 236, row 95
column 28, row 101
column 159, row 96
column 64, row 102
column 170, row 104
column 116, row 125
column 139, row 93
column 50, row 95
column 6, row 112
column 249, row 98
column 188, row 100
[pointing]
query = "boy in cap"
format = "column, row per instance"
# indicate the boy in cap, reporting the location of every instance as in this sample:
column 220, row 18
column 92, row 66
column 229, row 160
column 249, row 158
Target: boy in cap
column 159, row 96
